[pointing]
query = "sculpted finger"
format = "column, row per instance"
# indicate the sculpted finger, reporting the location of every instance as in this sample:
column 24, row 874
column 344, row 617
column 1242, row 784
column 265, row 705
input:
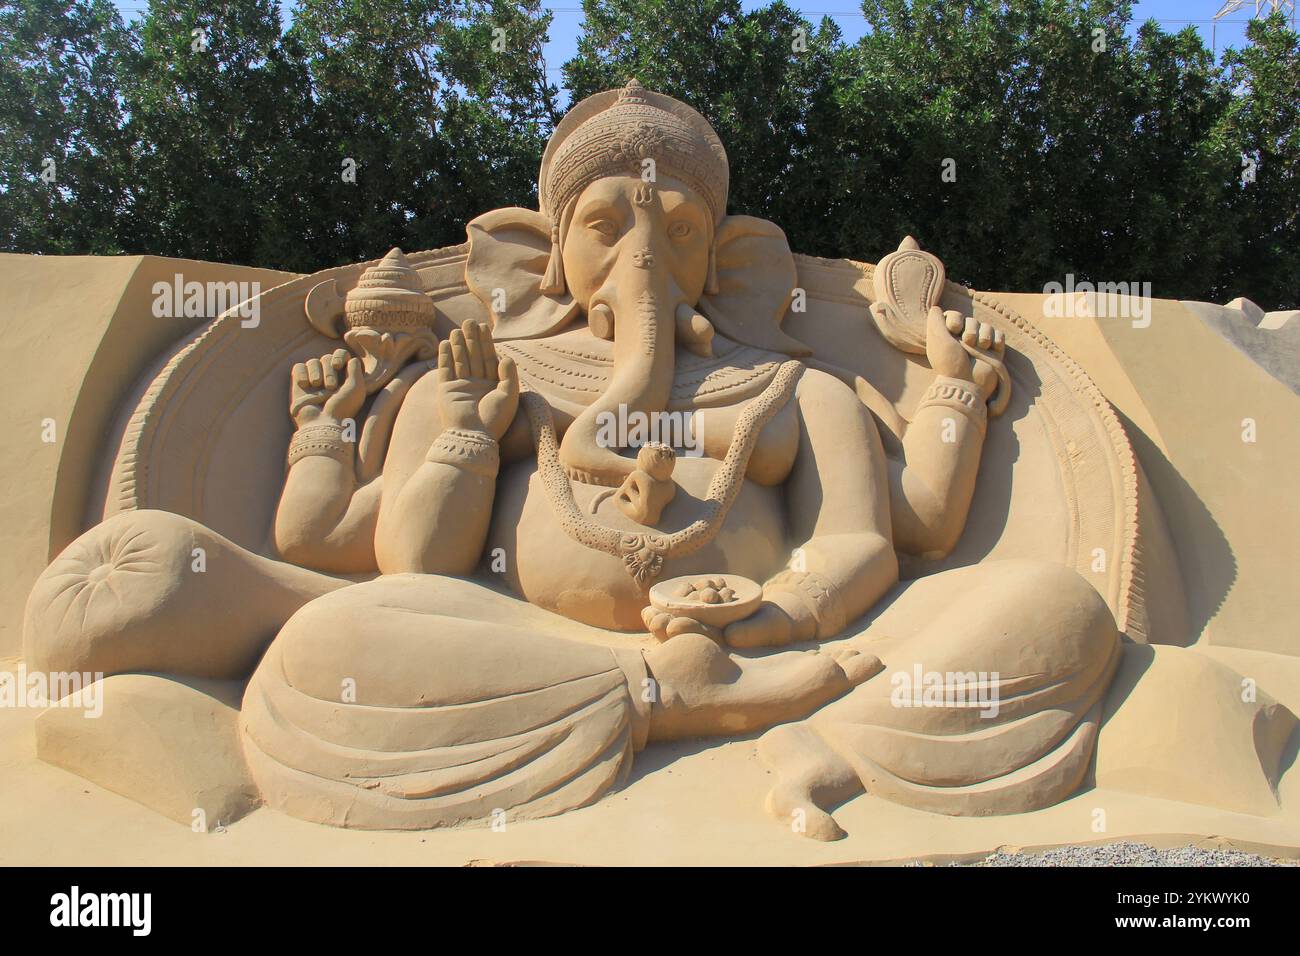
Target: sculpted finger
column 748, row 633
column 490, row 360
column 315, row 374
column 954, row 322
column 682, row 625
column 445, row 362
column 460, row 354
column 508, row 374
column 971, row 332
column 688, row 625
column 985, row 377
column 985, row 335
column 355, row 373
column 934, row 321
column 299, row 375
column 487, row 354
column 473, row 348
column 999, row 341
column 329, row 372
column 658, row 624
column 857, row 666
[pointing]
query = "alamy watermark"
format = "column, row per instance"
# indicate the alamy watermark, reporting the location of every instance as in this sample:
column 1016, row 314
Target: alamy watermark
column 75, row 908
column 41, row 689
column 922, row 688
column 207, row 300
column 1102, row 300
column 633, row 428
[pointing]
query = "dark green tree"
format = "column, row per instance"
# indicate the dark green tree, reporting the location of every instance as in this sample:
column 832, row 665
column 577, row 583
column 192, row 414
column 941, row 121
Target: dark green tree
column 1071, row 147
column 1262, row 124
column 61, row 62
column 218, row 104
column 1020, row 140
column 443, row 106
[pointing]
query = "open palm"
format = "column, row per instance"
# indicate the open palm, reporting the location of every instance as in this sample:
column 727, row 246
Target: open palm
column 477, row 391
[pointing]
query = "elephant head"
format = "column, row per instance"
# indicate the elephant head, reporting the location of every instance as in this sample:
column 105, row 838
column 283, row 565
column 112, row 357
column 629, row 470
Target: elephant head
column 649, row 260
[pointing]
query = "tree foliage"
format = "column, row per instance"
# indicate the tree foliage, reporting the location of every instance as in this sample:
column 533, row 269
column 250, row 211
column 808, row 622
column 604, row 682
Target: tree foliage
column 1021, row 140
column 65, row 160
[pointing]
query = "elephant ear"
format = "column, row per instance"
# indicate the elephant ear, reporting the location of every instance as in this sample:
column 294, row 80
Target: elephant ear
column 508, row 252
column 756, row 279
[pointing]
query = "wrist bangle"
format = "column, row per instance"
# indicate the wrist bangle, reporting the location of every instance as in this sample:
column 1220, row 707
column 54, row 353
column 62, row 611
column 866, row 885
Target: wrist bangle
column 319, row 438
column 957, row 394
column 819, row 596
column 475, row 452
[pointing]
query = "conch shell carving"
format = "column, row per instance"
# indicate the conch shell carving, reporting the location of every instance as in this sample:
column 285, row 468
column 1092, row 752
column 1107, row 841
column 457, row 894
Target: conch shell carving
column 386, row 319
column 908, row 283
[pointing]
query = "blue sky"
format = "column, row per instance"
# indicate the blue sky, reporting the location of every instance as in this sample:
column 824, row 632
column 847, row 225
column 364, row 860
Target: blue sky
column 1173, row 14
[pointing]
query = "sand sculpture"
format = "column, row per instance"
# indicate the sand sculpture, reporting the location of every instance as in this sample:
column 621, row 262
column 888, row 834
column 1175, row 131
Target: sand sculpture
column 617, row 472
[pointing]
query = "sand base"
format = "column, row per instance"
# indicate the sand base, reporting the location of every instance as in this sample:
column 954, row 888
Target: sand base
column 699, row 802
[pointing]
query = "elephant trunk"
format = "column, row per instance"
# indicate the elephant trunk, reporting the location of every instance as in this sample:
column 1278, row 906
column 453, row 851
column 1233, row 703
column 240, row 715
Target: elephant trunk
column 643, row 301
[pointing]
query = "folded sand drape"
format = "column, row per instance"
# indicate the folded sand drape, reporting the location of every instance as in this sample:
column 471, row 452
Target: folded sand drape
column 485, row 718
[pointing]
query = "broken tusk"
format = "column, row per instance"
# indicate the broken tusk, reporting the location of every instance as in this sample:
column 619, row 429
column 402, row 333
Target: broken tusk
column 601, row 321
column 694, row 331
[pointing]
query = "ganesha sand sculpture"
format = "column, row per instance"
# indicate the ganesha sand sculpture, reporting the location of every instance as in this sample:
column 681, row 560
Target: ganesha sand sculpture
column 478, row 641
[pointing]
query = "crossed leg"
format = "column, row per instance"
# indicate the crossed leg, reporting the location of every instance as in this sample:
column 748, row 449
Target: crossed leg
column 415, row 701
column 990, row 706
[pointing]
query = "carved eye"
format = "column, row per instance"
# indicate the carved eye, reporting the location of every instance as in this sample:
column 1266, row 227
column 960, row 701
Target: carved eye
column 679, row 230
column 604, row 227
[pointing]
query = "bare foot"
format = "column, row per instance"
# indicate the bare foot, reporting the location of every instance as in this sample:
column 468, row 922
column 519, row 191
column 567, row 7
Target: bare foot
column 810, row 777
column 704, row 691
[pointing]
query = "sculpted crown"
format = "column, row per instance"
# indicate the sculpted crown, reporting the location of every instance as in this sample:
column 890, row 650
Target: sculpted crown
column 612, row 133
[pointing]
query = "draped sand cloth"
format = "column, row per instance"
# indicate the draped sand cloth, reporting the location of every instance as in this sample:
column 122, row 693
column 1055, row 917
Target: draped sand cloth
column 489, row 715
column 486, row 716
column 123, row 596
column 1004, row 727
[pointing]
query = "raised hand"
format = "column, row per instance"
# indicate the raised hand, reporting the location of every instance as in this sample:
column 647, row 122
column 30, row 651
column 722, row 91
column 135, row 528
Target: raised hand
column 330, row 388
column 476, row 390
column 964, row 348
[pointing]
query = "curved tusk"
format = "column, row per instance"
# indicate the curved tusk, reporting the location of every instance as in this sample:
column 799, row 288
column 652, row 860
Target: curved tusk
column 694, row 331
column 601, row 321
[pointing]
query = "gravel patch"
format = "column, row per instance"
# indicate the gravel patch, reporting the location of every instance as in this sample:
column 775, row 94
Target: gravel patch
column 1129, row 854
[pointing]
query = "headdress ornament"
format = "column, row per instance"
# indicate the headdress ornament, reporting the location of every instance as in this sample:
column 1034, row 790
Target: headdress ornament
column 613, row 133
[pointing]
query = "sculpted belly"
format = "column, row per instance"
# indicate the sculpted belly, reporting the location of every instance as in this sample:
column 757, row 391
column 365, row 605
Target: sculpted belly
column 550, row 569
